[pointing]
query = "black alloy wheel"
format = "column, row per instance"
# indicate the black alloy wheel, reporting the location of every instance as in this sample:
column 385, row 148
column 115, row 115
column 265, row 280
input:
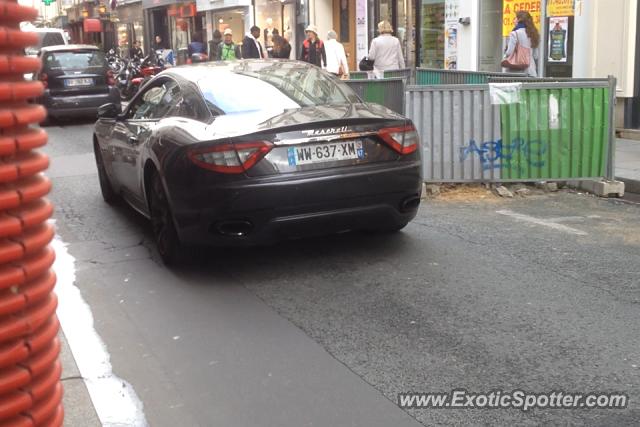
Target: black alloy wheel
column 164, row 230
column 108, row 193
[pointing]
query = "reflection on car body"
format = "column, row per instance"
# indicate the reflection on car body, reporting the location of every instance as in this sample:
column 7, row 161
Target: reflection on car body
column 254, row 151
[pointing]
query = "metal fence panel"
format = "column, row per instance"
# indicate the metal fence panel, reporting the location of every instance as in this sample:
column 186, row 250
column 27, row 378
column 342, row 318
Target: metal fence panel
column 387, row 92
column 459, row 129
column 432, row 76
column 358, row 75
column 556, row 131
column 404, row 73
column 571, row 145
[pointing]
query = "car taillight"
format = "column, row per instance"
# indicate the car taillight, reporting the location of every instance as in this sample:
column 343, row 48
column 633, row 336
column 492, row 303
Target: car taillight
column 111, row 81
column 44, row 79
column 402, row 139
column 230, row 158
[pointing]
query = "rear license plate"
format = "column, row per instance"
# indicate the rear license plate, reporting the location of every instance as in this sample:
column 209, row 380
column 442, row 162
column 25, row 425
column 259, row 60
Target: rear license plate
column 78, row 82
column 326, row 152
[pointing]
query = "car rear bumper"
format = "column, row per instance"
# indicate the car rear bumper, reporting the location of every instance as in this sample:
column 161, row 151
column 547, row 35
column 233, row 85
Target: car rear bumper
column 263, row 211
column 77, row 105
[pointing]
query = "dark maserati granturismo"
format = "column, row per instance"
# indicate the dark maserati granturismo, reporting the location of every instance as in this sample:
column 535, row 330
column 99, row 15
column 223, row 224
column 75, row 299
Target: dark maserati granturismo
column 254, row 151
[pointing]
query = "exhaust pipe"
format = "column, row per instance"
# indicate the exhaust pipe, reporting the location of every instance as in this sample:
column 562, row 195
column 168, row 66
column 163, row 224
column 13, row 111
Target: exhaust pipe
column 410, row 203
column 234, row 228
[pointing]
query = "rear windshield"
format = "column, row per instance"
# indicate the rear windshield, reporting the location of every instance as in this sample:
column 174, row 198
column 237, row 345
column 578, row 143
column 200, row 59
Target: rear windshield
column 76, row 60
column 245, row 91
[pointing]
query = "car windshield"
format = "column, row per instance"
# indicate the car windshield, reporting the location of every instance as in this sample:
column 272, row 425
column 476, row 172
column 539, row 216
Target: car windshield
column 74, row 60
column 281, row 88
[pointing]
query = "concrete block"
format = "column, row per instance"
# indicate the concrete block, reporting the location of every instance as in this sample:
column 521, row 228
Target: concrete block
column 523, row 192
column 504, row 192
column 432, row 189
column 601, row 188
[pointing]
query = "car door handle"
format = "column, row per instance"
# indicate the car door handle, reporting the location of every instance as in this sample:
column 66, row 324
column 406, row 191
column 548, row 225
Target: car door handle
column 133, row 140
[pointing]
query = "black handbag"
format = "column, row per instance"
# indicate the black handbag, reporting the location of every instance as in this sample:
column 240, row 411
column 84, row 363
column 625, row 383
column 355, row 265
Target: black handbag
column 366, row 64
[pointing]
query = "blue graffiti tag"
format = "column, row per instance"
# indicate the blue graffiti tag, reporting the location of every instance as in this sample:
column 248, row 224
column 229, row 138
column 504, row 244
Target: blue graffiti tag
column 493, row 155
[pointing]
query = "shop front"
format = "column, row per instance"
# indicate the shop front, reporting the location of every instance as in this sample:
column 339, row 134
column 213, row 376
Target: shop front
column 222, row 14
column 129, row 23
column 403, row 16
column 174, row 22
column 91, row 23
column 286, row 18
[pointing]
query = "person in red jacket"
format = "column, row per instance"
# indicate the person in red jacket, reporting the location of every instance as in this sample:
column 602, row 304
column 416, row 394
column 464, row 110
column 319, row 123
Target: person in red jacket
column 313, row 48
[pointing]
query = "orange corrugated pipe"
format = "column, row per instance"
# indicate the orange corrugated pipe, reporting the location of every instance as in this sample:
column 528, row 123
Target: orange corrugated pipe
column 30, row 387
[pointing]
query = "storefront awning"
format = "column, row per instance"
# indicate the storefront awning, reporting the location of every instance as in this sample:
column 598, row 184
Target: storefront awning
column 91, row 25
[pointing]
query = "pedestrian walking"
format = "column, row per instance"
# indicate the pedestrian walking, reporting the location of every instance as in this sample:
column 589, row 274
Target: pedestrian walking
column 196, row 45
column 227, row 49
column 524, row 34
column 281, row 47
column 214, row 44
column 385, row 51
column 313, row 48
column 251, row 47
column 336, row 57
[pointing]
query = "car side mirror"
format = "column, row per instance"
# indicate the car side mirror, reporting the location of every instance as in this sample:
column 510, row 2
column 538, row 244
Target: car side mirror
column 109, row 111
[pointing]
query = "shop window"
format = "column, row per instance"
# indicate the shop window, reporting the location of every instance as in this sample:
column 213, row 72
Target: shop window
column 345, row 24
column 490, row 35
column 269, row 17
column 432, row 34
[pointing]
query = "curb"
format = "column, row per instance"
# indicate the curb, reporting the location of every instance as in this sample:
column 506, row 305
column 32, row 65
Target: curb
column 633, row 134
column 630, row 185
column 78, row 407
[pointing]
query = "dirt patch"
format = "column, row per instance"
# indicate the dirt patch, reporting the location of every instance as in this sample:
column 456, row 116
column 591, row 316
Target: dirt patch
column 466, row 192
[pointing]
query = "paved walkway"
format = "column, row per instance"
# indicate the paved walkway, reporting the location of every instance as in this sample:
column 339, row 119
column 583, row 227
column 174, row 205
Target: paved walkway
column 628, row 164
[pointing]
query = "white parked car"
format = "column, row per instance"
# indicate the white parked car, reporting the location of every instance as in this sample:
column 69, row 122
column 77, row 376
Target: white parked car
column 46, row 37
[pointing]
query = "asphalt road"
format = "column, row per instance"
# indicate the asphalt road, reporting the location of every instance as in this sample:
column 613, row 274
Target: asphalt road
column 539, row 293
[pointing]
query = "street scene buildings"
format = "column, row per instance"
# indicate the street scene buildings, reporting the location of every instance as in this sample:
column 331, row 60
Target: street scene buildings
column 591, row 38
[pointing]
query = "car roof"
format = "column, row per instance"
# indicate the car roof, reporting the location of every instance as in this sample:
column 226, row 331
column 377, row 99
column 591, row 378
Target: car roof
column 202, row 70
column 69, row 47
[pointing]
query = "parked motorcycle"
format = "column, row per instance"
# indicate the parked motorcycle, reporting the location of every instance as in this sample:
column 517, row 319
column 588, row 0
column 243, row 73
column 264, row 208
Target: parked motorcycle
column 125, row 79
column 115, row 62
column 135, row 73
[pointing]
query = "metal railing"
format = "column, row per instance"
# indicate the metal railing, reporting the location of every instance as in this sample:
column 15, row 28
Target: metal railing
column 433, row 76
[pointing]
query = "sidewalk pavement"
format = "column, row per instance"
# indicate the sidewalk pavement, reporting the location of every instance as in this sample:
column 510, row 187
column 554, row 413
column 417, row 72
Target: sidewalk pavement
column 78, row 407
column 628, row 164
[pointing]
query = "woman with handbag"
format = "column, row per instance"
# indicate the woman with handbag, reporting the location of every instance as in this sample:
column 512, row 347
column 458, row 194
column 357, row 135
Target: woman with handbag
column 385, row 51
column 336, row 57
column 522, row 50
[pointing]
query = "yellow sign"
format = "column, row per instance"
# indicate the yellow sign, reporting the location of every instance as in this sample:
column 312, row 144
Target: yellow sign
column 509, row 9
column 560, row 7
